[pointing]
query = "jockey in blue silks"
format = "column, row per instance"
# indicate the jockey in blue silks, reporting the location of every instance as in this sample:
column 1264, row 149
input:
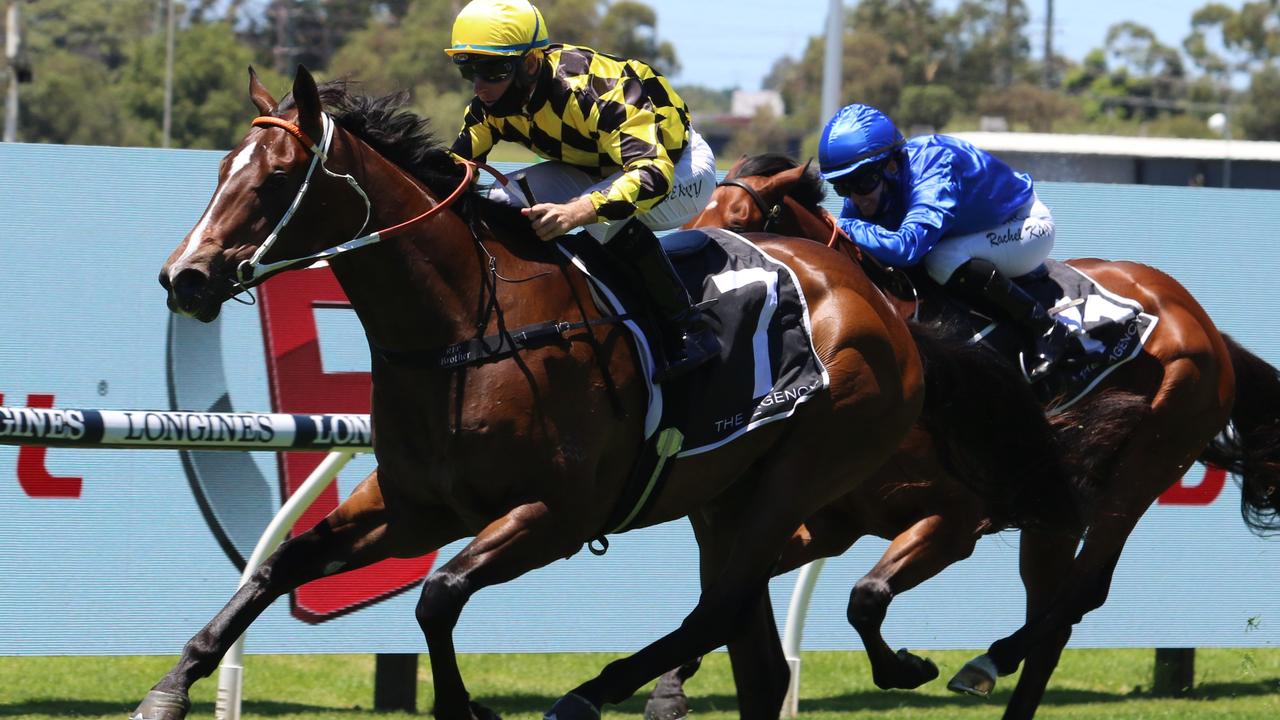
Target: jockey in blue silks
column 972, row 220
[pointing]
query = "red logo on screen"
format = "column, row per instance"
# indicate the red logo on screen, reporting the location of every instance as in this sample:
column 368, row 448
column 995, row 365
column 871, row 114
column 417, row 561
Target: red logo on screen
column 1202, row 493
column 33, row 477
column 299, row 384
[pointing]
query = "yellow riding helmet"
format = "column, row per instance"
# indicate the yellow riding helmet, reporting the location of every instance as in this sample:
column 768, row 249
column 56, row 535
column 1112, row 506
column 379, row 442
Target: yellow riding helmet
column 497, row 28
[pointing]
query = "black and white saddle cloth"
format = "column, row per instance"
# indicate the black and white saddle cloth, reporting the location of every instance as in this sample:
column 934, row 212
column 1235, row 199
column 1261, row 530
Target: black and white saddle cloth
column 1112, row 329
column 767, row 366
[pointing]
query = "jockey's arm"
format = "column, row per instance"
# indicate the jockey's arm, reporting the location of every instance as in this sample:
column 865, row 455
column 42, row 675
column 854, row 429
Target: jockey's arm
column 903, row 247
column 633, row 142
column 930, row 213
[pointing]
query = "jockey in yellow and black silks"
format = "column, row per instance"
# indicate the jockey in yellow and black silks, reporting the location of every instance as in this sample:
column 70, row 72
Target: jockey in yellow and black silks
column 623, row 158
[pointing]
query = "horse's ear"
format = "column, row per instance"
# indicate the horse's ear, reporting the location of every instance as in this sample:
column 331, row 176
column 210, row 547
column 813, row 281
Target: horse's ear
column 787, row 178
column 307, row 98
column 807, row 163
column 259, row 95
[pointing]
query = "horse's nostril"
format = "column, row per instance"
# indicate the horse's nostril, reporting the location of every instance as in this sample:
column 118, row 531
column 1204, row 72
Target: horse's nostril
column 187, row 287
column 164, row 280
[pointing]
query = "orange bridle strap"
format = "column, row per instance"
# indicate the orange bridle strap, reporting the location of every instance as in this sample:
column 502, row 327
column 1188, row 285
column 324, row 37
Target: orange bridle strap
column 292, row 129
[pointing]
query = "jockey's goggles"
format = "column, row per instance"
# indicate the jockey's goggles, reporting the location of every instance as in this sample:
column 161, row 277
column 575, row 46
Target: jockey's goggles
column 490, row 71
column 864, row 181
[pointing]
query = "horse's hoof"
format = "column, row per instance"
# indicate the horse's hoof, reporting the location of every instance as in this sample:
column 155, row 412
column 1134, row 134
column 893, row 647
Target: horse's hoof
column 667, row 708
column 912, row 672
column 572, row 707
column 161, row 705
column 977, row 677
column 480, row 712
column 667, row 701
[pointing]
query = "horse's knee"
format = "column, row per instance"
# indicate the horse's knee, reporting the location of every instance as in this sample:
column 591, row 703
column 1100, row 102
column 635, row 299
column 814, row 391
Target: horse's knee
column 443, row 595
column 869, row 602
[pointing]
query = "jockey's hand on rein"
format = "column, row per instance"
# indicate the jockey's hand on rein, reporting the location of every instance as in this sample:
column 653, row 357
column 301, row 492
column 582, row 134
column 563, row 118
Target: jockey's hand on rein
column 551, row 220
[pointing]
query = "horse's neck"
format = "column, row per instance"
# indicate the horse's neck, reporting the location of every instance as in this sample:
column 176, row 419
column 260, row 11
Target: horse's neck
column 434, row 285
column 810, row 224
column 420, row 289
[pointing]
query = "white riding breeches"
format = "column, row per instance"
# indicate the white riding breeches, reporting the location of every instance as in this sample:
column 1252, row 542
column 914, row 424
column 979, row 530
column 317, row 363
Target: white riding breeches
column 557, row 182
column 1015, row 247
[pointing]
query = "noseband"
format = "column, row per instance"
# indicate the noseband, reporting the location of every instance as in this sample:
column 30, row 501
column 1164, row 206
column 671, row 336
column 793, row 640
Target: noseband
column 770, row 213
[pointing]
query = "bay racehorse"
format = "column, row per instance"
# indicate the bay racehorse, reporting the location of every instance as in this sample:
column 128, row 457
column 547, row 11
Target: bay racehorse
column 1166, row 409
column 527, row 452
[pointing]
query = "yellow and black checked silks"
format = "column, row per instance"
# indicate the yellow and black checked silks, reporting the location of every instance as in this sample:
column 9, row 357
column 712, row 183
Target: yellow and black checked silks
column 601, row 114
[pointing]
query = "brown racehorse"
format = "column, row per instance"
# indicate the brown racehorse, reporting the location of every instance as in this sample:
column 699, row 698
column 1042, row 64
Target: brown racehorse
column 528, row 453
column 1165, row 410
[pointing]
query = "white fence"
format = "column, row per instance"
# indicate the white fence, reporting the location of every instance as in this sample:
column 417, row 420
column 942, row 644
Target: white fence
column 163, row 430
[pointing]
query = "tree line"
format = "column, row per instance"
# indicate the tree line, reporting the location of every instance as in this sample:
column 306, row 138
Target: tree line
column 944, row 69
column 98, row 66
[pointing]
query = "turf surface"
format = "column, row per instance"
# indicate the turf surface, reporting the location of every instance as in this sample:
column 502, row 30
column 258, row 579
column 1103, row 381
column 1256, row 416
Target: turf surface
column 1232, row 684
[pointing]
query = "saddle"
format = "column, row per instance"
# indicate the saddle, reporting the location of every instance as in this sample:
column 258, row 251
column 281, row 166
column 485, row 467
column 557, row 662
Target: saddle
column 767, row 365
column 1110, row 330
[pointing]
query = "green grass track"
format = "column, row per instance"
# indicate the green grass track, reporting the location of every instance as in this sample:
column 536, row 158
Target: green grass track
column 1235, row 684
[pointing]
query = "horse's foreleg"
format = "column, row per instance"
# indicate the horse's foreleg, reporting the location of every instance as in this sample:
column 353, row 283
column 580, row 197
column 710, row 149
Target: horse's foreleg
column 760, row 670
column 826, row 533
column 1044, row 560
column 916, row 555
column 352, row 536
column 727, row 604
column 526, row 538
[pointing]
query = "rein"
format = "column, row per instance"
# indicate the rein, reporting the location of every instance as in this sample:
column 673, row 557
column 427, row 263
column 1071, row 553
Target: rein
column 837, row 233
column 770, row 213
column 254, row 270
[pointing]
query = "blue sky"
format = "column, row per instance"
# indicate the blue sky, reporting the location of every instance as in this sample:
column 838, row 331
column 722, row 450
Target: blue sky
column 733, row 43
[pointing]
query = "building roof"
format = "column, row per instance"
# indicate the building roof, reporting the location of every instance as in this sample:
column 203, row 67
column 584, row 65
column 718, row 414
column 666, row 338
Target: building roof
column 1114, row 145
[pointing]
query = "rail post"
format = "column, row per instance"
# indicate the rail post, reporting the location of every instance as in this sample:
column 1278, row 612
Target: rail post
column 797, row 611
column 231, row 672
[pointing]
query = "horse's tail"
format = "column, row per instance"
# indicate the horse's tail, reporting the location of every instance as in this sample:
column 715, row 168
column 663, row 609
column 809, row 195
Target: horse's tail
column 1249, row 447
column 991, row 433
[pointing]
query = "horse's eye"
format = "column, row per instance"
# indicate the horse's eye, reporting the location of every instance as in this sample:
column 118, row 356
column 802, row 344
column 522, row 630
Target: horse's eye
column 274, row 183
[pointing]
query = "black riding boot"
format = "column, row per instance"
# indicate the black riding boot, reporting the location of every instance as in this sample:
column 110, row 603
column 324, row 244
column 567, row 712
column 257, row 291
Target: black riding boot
column 687, row 341
column 979, row 280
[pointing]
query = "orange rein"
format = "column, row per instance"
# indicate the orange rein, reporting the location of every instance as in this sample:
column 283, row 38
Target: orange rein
column 837, row 234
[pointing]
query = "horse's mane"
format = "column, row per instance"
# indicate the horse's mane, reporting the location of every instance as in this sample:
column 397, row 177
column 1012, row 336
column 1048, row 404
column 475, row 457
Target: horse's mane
column 809, row 192
column 408, row 140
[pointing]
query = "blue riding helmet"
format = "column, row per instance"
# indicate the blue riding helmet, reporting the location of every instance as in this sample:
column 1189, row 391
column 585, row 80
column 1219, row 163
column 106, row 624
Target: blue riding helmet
column 857, row 135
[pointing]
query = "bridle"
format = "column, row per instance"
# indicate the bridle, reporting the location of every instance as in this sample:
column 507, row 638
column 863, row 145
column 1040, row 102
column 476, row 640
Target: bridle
column 773, row 213
column 770, row 213
column 254, row 270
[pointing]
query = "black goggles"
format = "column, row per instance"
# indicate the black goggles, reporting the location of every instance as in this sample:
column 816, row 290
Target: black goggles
column 862, row 182
column 492, row 71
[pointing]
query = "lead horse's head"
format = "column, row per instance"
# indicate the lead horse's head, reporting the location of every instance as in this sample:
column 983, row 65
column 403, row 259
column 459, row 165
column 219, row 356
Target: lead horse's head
column 276, row 204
